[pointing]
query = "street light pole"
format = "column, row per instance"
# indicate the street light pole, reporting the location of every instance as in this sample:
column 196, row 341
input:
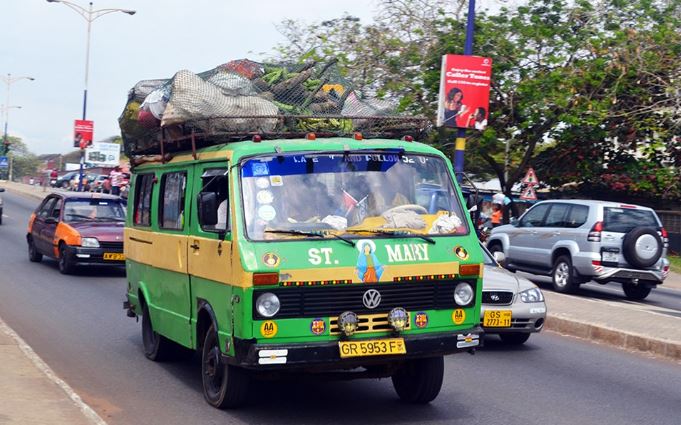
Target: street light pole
column 9, row 80
column 460, row 145
column 89, row 15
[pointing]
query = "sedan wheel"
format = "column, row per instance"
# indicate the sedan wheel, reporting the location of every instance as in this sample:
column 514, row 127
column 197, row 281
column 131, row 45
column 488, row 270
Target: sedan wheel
column 33, row 254
column 66, row 265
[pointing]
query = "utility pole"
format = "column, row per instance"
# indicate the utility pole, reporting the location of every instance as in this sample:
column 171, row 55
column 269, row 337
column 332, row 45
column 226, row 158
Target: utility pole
column 460, row 143
column 89, row 15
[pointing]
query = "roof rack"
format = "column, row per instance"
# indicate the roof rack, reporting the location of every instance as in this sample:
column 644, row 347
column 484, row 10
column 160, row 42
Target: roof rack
column 241, row 99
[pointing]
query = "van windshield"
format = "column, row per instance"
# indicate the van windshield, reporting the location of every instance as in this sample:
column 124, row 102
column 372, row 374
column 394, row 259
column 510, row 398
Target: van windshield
column 623, row 220
column 327, row 194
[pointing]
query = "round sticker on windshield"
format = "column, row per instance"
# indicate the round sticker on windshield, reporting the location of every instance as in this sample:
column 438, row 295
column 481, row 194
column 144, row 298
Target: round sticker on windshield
column 264, row 197
column 267, row 212
column 262, row 183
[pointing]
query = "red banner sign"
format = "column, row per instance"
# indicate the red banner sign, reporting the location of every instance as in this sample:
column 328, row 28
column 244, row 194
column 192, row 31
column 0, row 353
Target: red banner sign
column 464, row 91
column 83, row 131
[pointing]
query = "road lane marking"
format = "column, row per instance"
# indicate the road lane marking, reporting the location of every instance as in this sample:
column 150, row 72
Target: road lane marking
column 43, row 367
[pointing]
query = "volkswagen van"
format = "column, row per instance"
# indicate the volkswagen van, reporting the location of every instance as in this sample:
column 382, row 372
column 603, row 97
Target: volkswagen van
column 280, row 221
column 324, row 255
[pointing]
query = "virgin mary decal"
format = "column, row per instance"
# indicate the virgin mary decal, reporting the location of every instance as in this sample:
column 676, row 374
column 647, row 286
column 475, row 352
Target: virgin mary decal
column 369, row 269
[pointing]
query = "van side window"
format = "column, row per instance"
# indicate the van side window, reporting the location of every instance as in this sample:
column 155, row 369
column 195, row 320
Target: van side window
column 578, row 216
column 215, row 180
column 143, row 188
column 556, row 216
column 171, row 201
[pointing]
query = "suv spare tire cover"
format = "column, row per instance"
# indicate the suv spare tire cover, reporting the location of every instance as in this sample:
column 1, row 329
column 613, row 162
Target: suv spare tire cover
column 642, row 246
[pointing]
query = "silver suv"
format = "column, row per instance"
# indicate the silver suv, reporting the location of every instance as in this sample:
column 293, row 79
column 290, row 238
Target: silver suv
column 575, row 241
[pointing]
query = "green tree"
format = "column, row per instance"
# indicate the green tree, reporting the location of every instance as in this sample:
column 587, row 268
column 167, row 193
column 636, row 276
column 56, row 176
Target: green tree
column 24, row 162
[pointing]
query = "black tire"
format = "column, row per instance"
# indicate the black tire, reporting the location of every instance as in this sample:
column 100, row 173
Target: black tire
column 156, row 347
column 224, row 386
column 66, row 264
column 636, row 292
column 642, row 247
column 562, row 275
column 514, row 338
column 33, row 255
column 419, row 381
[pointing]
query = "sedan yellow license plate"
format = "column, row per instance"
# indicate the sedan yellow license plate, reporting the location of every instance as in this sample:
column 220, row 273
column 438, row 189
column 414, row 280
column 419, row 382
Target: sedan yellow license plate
column 114, row 256
column 497, row 319
column 372, row 347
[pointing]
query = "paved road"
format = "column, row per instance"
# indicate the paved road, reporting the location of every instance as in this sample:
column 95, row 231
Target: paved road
column 79, row 328
column 661, row 300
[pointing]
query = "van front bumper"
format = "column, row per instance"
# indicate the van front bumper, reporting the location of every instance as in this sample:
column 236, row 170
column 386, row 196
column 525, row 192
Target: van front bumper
column 326, row 355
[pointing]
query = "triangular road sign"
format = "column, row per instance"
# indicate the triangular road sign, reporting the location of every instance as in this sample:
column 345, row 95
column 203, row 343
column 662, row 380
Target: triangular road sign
column 529, row 194
column 530, row 177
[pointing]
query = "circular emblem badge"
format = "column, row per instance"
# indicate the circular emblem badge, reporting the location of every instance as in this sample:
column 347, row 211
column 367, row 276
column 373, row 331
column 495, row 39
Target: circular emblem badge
column 458, row 316
column 461, row 252
column 271, row 260
column 264, row 197
column 262, row 183
column 267, row 212
column 268, row 329
column 421, row 319
column 371, row 299
column 318, row 326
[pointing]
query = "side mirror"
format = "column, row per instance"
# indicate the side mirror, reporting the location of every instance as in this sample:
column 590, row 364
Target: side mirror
column 208, row 208
column 514, row 222
column 499, row 257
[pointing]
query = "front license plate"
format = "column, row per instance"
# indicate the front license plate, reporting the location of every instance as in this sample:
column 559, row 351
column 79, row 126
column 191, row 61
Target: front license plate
column 372, row 347
column 497, row 319
column 114, row 256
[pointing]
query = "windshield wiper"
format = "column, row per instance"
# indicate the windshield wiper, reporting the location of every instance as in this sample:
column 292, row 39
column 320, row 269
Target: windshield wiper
column 396, row 233
column 319, row 234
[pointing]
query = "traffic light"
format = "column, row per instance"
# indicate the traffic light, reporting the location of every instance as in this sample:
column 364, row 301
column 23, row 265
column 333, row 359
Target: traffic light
column 5, row 146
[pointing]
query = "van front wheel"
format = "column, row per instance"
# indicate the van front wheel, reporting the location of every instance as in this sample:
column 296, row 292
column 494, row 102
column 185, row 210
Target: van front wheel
column 419, row 381
column 224, row 386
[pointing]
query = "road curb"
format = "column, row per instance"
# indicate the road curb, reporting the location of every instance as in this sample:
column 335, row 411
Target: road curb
column 85, row 409
column 614, row 337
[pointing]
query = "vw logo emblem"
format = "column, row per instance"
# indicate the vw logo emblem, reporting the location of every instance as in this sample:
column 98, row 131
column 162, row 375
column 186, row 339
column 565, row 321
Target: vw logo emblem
column 371, row 298
column 494, row 297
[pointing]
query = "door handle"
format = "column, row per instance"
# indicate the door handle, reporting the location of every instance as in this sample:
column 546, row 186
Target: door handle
column 556, row 233
column 195, row 246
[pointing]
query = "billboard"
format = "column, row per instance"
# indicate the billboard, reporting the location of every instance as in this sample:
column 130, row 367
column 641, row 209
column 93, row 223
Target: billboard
column 103, row 154
column 82, row 133
column 464, row 91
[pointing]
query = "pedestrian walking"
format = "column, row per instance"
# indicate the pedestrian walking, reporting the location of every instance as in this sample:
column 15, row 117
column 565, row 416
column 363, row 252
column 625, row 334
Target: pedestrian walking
column 116, row 178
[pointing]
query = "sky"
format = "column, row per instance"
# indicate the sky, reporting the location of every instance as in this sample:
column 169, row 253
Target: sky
column 47, row 41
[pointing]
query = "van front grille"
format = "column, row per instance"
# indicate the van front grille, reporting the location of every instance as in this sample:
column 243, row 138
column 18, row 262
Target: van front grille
column 330, row 301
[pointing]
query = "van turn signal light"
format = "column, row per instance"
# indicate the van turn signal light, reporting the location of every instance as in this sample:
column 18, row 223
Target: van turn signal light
column 469, row 269
column 265, row 279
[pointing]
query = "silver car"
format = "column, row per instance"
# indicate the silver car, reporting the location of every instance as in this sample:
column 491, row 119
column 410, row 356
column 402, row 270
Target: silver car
column 512, row 306
column 575, row 241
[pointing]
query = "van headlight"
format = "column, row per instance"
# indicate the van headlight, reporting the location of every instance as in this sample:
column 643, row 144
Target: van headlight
column 89, row 243
column 532, row 295
column 267, row 304
column 463, row 294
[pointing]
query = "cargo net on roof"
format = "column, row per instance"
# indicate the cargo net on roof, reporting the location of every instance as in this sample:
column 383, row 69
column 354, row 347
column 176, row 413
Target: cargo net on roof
column 242, row 98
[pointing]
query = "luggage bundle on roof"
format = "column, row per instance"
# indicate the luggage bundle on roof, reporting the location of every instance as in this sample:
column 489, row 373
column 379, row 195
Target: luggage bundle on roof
column 243, row 98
